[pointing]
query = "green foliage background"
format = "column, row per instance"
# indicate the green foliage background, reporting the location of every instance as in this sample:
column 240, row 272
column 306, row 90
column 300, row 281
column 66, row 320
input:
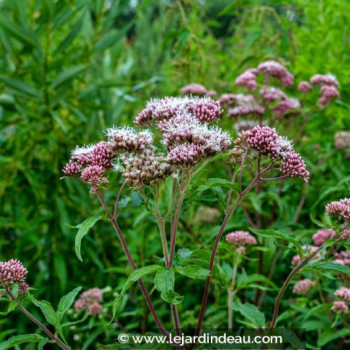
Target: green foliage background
column 71, row 68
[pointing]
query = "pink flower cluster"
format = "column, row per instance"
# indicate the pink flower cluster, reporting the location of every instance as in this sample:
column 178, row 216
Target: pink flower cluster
column 339, row 209
column 90, row 301
column 13, row 271
column 304, row 87
column 329, row 85
column 340, row 307
column 322, row 236
column 204, row 109
column 343, row 293
column 194, row 89
column 342, row 258
column 248, row 79
column 276, row 70
column 267, row 142
column 240, row 238
column 303, row 286
column 286, row 106
column 307, row 250
column 272, row 94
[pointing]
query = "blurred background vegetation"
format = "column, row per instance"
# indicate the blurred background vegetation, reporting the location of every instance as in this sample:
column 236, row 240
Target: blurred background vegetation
column 71, row 68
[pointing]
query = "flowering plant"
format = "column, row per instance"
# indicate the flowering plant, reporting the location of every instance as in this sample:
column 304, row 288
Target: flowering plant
column 164, row 162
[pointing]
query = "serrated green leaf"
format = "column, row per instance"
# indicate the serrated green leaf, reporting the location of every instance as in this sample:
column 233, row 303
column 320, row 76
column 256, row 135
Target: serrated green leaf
column 21, row 339
column 164, row 282
column 66, row 302
column 251, row 313
column 48, row 311
column 84, row 228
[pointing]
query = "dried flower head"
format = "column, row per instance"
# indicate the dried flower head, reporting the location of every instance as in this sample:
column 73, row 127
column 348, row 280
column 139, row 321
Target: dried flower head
column 327, row 79
column 342, row 139
column 12, row 271
column 343, row 293
column 340, row 307
column 304, row 87
column 303, row 286
column 194, row 89
column 206, row 215
column 144, row 168
column 240, row 238
column 339, row 209
column 90, row 301
column 322, row 236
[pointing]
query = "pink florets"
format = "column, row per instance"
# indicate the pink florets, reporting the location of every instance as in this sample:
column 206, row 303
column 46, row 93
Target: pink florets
column 340, row 307
column 241, row 238
column 245, row 109
column 194, row 89
column 285, row 106
column 11, row 272
column 272, row 94
column 327, row 79
column 293, row 166
column 185, row 155
column 266, row 141
column 204, row 109
column 343, row 293
column 322, row 236
column 327, row 94
column 71, row 169
column 339, row 209
column 90, row 301
column 23, row 288
column 128, row 139
column 304, row 86
column 212, row 93
column 342, row 258
column 93, row 175
column 102, row 155
column 248, row 79
column 303, row 286
column 276, row 70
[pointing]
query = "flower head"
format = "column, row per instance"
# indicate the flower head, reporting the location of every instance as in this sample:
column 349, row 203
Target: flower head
column 322, row 236
column 90, row 301
column 248, row 79
column 272, row 94
column 327, row 79
column 194, row 89
column 127, row 139
column 328, row 92
column 276, row 70
column 303, row 286
column 93, row 175
column 12, row 271
column 343, row 293
column 340, row 307
column 285, row 106
column 144, row 168
column 293, row 166
column 304, row 87
column 240, row 238
column 342, row 139
column 339, row 209
column 342, row 258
